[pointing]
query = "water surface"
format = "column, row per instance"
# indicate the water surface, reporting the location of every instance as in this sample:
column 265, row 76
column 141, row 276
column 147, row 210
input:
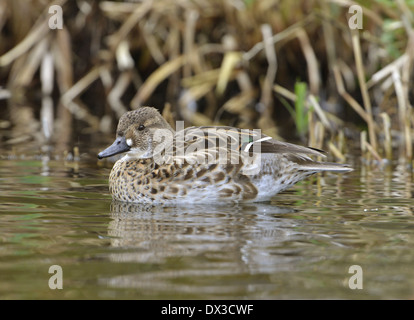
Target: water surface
column 299, row 246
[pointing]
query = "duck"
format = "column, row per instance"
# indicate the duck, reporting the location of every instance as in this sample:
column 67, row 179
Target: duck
column 205, row 164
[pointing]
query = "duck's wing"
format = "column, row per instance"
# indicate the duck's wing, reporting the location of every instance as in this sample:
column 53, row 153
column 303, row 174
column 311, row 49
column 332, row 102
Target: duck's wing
column 245, row 140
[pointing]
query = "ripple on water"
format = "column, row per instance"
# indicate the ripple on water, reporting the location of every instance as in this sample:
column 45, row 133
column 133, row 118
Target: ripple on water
column 300, row 245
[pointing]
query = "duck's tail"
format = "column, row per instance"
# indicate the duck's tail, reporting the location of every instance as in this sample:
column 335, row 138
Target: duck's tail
column 325, row 166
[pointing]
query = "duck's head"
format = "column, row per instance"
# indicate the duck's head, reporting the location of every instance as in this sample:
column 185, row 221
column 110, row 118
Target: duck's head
column 139, row 132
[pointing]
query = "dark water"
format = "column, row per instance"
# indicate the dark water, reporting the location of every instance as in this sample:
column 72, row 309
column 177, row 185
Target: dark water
column 299, row 246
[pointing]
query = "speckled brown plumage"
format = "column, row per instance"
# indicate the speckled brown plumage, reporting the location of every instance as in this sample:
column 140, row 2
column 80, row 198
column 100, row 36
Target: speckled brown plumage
column 214, row 163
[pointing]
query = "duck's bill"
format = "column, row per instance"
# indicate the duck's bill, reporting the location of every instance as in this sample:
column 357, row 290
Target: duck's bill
column 117, row 147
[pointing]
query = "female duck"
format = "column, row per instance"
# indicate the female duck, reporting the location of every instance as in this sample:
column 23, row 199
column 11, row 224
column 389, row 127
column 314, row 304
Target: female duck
column 203, row 164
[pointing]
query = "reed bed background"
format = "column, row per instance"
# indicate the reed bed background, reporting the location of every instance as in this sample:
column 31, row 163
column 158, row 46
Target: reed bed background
column 294, row 69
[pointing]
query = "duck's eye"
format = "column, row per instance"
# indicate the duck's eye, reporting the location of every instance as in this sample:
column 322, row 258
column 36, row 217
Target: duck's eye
column 141, row 127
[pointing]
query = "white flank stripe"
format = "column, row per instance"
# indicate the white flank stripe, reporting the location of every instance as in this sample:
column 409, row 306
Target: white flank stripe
column 251, row 143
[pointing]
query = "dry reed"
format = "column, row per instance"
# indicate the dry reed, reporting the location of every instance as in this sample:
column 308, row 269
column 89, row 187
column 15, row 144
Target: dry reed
column 212, row 62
